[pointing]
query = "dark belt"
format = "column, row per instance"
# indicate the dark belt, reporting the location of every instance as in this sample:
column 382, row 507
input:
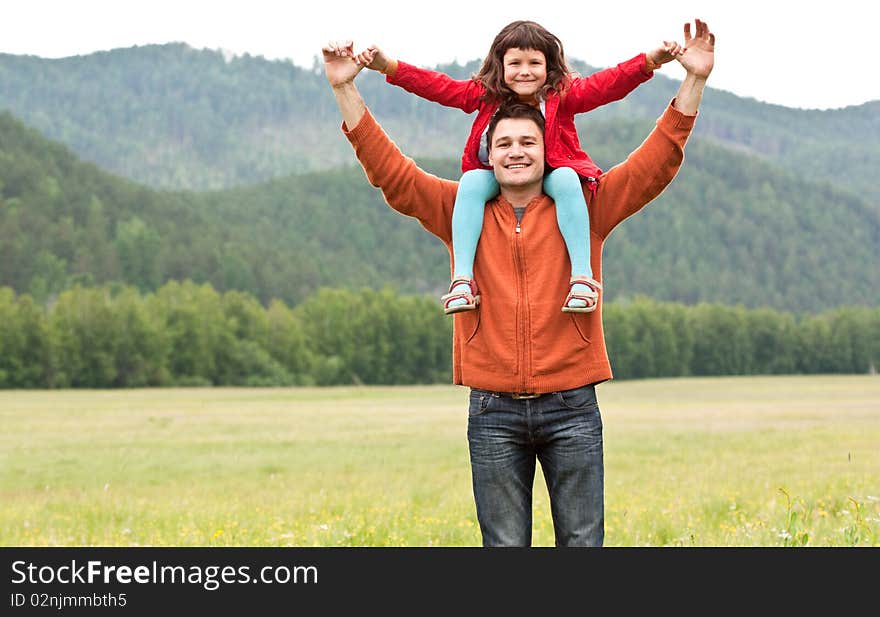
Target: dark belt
column 518, row 395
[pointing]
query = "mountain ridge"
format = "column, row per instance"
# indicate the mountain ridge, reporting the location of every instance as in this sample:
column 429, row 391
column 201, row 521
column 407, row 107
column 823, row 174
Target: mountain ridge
column 729, row 229
column 173, row 116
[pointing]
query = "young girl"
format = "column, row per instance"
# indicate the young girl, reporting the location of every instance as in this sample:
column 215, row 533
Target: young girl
column 525, row 63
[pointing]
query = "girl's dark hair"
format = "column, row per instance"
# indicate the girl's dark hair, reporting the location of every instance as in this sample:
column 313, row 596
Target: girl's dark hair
column 523, row 35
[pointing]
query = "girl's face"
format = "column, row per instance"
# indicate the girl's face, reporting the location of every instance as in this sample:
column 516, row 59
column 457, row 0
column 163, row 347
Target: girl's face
column 525, row 72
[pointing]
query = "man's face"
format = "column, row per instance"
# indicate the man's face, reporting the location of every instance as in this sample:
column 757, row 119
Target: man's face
column 517, row 153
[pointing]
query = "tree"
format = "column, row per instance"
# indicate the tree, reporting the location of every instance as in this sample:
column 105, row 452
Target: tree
column 197, row 331
column 83, row 339
column 138, row 246
column 721, row 340
column 143, row 347
column 287, row 343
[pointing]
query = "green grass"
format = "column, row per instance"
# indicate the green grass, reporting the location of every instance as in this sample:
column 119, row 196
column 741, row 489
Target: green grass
column 755, row 461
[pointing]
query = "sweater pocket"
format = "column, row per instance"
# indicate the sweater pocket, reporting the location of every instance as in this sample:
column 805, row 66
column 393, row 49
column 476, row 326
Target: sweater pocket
column 468, row 322
column 581, row 325
column 560, row 344
column 490, row 346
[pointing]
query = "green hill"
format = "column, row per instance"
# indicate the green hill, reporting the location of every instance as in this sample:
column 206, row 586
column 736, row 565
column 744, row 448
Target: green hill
column 729, row 229
column 175, row 117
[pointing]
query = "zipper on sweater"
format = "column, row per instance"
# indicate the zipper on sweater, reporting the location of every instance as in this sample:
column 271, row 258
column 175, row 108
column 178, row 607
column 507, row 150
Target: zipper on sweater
column 523, row 346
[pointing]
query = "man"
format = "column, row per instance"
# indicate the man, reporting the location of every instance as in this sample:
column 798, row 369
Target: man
column 532, row 369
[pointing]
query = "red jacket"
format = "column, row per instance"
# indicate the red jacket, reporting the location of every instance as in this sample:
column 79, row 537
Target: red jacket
column 519, row 340
column 560, row 136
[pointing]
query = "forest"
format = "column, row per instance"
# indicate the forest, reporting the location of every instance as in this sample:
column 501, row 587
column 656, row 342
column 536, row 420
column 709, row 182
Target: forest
column 157, row 229
column 187, row 334
column 727, row 230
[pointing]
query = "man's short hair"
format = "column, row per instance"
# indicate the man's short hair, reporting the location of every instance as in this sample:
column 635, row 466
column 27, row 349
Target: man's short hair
column 514, row 111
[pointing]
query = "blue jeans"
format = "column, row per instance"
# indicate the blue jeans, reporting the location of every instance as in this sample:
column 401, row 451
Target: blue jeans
column 562, row 430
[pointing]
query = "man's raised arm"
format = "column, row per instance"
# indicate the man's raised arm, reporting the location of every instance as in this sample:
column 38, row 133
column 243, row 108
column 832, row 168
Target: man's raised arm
column 406, row 188
column 698, row 59
column 629, row 186
column 341, row 71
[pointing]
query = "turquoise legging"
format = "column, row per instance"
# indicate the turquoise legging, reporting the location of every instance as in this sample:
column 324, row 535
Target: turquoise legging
column 478, row 186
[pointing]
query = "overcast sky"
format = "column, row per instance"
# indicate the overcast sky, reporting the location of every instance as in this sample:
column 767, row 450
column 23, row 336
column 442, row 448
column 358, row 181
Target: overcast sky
column 799, row 54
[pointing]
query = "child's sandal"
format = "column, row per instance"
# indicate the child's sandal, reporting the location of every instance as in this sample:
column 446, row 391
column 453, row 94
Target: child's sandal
column 472, row 298
column 590, row 297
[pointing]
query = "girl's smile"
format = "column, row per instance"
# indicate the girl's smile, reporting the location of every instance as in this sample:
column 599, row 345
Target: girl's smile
column 525, row 72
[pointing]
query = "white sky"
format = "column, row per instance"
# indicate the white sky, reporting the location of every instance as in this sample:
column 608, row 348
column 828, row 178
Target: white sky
column 799, row 54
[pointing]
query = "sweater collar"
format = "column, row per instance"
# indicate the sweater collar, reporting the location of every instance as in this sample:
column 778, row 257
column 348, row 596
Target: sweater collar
column 504, row 204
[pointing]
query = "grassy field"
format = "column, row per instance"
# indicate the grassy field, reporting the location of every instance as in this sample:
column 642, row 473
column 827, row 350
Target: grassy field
column 755, row 461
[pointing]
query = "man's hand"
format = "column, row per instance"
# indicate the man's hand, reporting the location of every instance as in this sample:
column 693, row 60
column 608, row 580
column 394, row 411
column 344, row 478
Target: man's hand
column 698, row 59
column 339, row 64
column 699, row 51
column 341, row 69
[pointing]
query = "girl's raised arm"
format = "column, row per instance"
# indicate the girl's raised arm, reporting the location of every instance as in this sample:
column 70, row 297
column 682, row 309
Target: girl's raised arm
column 605, row 86
column 463, row 94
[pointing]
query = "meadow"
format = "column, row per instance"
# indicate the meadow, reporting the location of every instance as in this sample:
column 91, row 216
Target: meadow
column 739, row 461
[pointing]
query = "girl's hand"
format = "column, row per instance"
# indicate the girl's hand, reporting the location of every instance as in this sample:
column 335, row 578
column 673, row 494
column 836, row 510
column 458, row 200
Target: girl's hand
column 372, row 58
column 667, row 52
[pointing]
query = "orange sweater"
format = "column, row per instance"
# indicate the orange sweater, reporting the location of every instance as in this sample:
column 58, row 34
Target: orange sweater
column 519, row 340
